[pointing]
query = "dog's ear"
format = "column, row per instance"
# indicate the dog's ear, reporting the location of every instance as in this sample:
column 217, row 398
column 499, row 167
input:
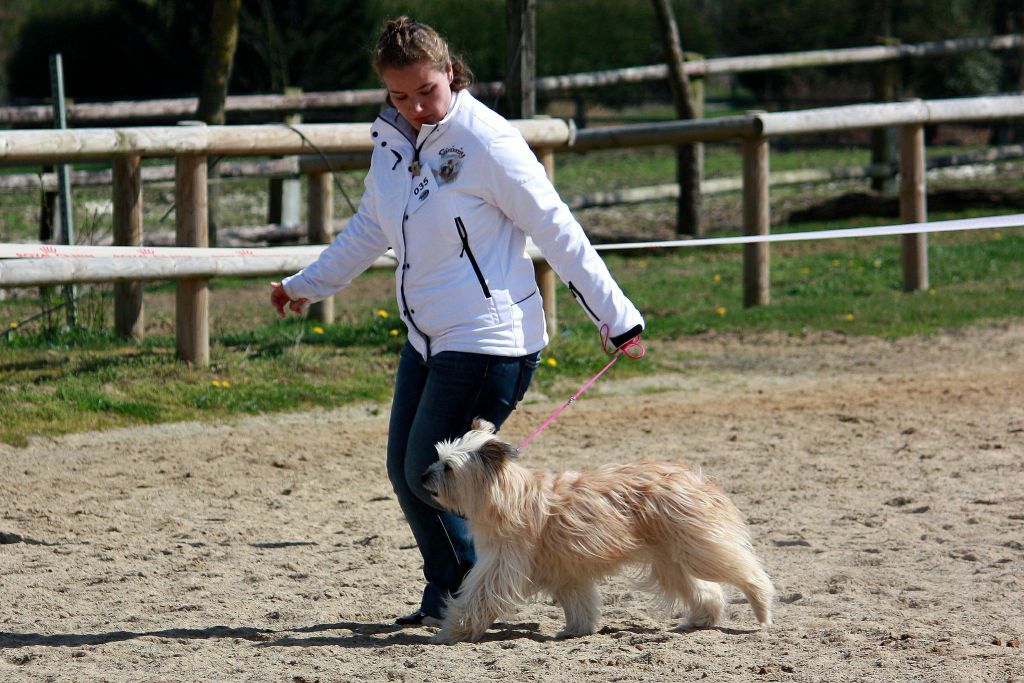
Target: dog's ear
column 482, row 425
column 495, row 452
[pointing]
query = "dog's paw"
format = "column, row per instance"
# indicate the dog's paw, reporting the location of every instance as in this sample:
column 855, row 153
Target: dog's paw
column 445, row 638
column 578, row 632
column 451, row 636
column 697, row 623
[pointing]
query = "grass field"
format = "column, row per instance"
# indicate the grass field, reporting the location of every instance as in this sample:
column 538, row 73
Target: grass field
column 56, row 380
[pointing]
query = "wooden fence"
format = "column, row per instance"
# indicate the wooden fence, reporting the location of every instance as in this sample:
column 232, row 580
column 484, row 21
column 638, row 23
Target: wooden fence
column 99, row 112
column 190, row 146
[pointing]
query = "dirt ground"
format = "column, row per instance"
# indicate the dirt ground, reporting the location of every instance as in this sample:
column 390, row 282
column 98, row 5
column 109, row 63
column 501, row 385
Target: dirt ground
column 883, row 482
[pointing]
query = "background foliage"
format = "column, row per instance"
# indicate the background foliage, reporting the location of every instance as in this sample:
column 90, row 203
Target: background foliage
column 125, row 49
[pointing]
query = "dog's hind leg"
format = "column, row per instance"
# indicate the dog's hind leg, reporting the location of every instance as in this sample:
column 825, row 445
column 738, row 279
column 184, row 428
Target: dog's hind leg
column 758, row 589
column 706, row 603
column 736, row 564
column 582, row 606
column 703, row 599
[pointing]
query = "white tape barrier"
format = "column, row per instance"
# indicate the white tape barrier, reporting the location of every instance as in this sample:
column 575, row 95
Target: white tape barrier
column 1010, row 221
column 38, row 251
column 35, row 251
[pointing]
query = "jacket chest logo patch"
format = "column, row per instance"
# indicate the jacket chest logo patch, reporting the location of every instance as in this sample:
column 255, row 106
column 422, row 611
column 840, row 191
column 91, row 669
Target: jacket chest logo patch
column 451, row 163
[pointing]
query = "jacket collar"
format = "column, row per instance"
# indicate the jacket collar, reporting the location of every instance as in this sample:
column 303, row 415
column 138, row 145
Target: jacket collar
column 395, row 121
column 389, row 121
column 428, row 129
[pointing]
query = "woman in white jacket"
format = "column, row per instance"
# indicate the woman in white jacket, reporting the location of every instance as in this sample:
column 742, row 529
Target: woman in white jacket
column 454, row 190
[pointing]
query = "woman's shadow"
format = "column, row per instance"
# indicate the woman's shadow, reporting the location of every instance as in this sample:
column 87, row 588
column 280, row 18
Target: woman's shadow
column 355, row 635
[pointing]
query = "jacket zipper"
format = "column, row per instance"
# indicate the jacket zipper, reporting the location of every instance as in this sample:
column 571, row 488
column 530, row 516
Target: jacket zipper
column 405, row 304
column 464, row 236
column 579, row 297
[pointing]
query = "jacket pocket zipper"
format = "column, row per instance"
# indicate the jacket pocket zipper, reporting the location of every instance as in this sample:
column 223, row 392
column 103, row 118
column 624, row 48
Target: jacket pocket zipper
column 579, row 297
column 464, row 236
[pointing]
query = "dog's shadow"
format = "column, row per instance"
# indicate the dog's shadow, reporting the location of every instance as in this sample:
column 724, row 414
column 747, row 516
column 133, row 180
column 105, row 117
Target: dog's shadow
column 371, row 635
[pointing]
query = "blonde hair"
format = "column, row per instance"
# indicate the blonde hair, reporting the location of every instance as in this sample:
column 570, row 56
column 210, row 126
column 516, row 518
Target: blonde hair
column 404, row 41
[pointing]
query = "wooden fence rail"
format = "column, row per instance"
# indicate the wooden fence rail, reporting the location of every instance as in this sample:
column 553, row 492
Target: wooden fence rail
column 312, row 165
column 96, row 112
column 191, row 146
column 81, row 144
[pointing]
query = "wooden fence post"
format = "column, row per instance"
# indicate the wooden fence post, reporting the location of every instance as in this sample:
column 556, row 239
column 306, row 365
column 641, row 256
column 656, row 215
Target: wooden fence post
column 913, row 206
column 756, row 219
column 320, row 216
column 884, row 84
column 127, row 201
column 192, row 230
column 543, row 271
column 286, row 193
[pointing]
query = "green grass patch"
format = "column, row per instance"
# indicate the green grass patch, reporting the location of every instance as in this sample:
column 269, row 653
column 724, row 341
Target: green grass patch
column 55, row 381
column 63, row 382
column 848, row 286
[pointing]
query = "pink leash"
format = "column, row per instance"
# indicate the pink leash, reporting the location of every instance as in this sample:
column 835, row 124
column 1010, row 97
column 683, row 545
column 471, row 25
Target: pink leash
column 632, row 349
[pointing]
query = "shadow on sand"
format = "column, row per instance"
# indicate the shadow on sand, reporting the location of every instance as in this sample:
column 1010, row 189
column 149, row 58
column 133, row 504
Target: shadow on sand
column 351, row 634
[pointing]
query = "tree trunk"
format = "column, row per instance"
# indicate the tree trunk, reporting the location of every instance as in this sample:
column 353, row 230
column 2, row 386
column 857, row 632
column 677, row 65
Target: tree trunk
column 688, row 157
column 213, row 90
column 521, row 78
column 1009, row 18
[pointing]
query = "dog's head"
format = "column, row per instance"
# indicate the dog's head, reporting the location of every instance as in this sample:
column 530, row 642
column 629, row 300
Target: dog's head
column 467, row 468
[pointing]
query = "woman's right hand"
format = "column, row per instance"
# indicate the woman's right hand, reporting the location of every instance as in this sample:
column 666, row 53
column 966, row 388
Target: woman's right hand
column 279, row 299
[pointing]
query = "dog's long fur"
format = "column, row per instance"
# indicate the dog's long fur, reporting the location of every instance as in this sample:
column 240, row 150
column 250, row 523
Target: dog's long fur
column 536, row 531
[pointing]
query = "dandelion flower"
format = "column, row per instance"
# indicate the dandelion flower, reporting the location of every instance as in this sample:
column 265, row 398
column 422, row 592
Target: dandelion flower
column 551, row 362
column 225, row 384
column 14, row 325
column 721, row 310
column 381, row 313
column 393, row 333
column 318, row 330
column 997, row 236
column 877, row 263
column 215, row 382
column 932, row 291
column 717, row 277
column 835, row 262
column 848, row 317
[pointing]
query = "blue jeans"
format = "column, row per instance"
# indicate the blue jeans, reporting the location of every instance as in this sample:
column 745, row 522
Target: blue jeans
column 438, row 399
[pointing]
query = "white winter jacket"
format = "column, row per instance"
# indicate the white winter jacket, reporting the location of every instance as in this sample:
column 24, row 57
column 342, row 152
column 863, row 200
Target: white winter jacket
column 464, row 281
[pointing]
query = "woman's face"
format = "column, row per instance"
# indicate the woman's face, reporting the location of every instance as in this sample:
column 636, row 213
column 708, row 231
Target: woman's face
column 420, row 92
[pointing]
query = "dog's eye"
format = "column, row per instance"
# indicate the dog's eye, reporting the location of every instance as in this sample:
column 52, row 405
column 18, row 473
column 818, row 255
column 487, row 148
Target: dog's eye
column 447, row 467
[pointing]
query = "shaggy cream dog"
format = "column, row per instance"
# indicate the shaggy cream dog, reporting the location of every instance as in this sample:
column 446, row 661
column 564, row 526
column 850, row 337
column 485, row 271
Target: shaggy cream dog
column 536, row 531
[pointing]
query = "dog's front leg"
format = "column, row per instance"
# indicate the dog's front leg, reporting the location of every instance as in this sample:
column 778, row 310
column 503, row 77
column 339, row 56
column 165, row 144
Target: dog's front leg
column 491, row 588
column 581, row 604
